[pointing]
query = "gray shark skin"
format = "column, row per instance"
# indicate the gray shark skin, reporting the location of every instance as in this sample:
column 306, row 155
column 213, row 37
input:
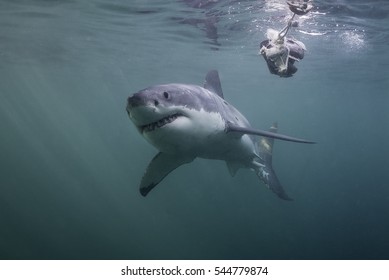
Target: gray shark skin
column 187, row 121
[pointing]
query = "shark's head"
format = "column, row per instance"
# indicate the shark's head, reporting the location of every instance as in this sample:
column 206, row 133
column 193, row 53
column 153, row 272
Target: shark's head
column 151, row 109
column 162, row 106
column 173, row 110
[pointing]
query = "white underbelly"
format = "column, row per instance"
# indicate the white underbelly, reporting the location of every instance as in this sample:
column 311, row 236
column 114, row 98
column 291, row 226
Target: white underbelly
column 218, row 145
column 201, row 135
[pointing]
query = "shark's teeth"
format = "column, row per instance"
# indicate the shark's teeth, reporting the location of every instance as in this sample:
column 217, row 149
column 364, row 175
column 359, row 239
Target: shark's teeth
column 160, row 123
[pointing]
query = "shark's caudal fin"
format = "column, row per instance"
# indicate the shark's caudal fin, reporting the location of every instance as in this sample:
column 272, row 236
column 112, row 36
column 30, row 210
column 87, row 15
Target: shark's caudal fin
column 160, row 166
column 266, row 173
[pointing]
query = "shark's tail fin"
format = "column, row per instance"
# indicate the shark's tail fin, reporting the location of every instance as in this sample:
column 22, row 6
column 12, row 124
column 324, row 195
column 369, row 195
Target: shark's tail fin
column 266, row 172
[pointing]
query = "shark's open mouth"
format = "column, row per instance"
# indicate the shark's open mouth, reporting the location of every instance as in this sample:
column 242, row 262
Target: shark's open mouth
column 160, row 123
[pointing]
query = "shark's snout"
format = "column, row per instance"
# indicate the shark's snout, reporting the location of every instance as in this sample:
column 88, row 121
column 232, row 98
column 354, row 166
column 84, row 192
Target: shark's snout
column 141, row 110
column 134, row 101
column 142, row 99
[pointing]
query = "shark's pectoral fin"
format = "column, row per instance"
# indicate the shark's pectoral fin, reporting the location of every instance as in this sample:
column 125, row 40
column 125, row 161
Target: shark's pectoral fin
column 248, row 130
column 159, row 167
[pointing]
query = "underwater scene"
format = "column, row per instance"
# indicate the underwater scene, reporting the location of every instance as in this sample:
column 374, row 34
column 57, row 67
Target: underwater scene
column 78, row 131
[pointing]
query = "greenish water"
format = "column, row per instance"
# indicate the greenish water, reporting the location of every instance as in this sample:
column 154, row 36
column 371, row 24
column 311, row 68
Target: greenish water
column 71, row 160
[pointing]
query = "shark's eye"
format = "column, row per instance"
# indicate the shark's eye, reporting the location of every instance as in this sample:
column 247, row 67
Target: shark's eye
column 166, row 94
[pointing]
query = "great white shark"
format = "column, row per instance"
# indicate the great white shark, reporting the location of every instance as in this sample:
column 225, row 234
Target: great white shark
column 188, row 121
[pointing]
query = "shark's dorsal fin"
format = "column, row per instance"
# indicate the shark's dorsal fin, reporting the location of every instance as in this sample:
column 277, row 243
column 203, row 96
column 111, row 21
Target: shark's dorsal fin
column 160, row 166
column 252, row 131
column 212, row 83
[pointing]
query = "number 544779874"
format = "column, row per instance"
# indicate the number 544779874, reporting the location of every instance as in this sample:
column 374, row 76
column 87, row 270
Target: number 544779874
column 241, row 270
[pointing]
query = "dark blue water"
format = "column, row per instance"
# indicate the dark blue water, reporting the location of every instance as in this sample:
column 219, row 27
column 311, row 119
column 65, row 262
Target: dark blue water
column 71, row 160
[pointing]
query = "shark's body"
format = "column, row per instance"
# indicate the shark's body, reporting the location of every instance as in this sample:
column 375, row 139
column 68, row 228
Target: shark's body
column 188, row 121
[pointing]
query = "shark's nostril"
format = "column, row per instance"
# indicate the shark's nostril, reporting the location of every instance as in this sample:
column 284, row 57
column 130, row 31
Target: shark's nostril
column 156, row 103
